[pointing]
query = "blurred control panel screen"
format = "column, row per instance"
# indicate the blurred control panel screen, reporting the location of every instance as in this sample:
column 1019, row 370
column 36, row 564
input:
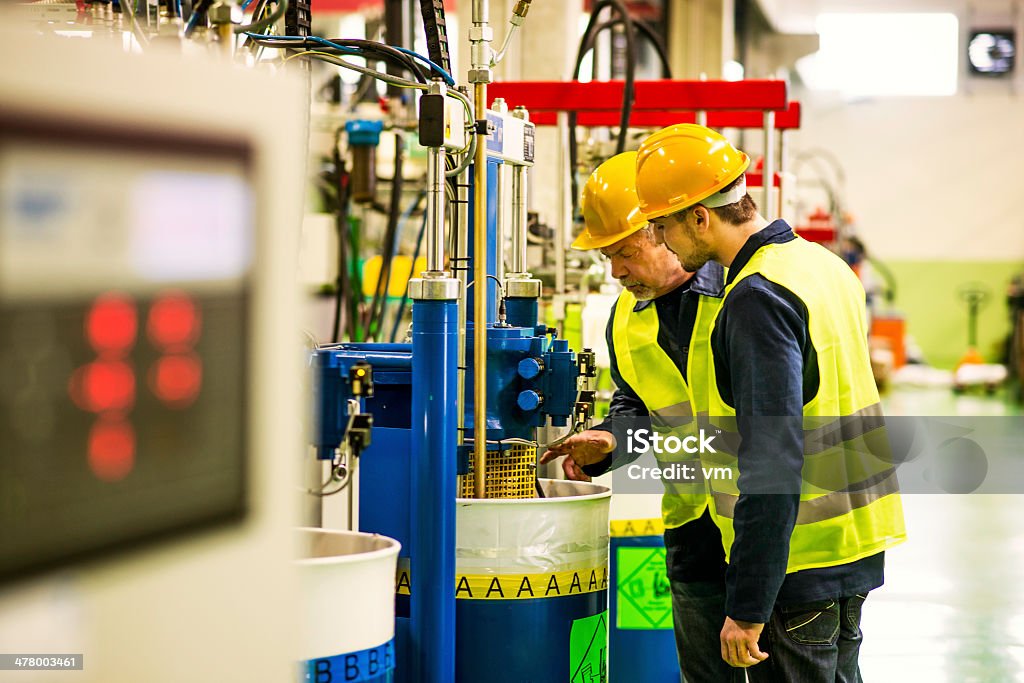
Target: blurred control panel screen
column 125, row 263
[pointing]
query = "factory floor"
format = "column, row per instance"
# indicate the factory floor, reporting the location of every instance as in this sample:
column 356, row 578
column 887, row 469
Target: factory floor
column 952, row 608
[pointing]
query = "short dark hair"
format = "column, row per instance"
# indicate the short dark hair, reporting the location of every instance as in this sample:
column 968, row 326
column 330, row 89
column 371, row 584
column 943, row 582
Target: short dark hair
column 739, row 213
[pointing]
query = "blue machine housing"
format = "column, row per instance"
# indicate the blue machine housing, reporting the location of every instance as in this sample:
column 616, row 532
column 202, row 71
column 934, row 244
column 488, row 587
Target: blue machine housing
column 520, row 361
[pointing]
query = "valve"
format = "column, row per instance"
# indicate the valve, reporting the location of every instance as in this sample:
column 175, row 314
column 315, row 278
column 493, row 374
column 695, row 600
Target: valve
column 529, row 368
column 529, row 400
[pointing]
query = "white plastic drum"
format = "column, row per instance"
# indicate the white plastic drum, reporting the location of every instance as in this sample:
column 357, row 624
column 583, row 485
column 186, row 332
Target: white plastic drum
column 348, row 600
column 532, row 586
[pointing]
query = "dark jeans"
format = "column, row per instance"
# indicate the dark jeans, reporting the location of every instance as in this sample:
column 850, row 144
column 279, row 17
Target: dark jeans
column 817, row 642
column 698, row 613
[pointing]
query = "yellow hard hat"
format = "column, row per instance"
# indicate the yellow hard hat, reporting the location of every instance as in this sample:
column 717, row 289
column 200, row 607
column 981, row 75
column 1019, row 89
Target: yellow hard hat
column 682, row 165
column 611, row 210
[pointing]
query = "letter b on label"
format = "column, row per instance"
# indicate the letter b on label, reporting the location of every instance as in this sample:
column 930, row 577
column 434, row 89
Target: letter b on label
column 322, row 672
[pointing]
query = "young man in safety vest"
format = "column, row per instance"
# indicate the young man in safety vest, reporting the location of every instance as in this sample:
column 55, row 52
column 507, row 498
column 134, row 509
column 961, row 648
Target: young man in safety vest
column 811, row 502
column 657, row 337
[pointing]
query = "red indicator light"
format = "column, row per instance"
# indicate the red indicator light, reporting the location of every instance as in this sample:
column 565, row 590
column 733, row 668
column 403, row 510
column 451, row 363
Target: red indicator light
column 111, row 450
column 103, row 386
column 174, row 322
column 177, row 380
column 111, row 324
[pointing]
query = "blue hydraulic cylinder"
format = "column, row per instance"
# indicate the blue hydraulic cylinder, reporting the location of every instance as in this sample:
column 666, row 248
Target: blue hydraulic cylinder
column 492, row 246
column 433, row 489
column 521, row 311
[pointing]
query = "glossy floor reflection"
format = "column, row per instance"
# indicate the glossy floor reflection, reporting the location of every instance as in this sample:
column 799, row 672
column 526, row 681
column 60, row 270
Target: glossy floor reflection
column 952, row 609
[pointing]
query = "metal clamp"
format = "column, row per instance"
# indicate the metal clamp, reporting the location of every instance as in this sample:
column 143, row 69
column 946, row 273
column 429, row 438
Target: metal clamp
column 523, row 287
column 434, row 289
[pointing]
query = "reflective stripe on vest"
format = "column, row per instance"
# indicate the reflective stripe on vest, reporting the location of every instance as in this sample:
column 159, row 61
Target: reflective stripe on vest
column 656, row 379
column 850, row 505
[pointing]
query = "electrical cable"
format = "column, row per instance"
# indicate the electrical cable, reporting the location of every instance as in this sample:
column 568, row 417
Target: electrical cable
column 337, row 61
column 586, row 45
column 379, row 302
column 282, row 7
column 341, row 227
column 353, row 47
column 198, row 10
column 467, row 158
column 405, row 296
column 647, row 32
column 441, row 72
column 356, row 293
column 323, row 493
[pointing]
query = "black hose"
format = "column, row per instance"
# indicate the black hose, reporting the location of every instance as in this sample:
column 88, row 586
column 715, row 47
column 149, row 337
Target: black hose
column 379, row 301
column 341, row 229
column 586, row 44
column 405, row 297
column 371, row 51
column 647, row 32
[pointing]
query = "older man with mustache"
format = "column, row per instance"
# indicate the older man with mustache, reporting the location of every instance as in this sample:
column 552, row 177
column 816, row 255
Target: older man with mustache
column 658, row 341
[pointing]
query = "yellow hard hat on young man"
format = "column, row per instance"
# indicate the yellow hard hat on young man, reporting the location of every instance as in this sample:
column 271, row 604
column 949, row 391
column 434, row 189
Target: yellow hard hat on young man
column 684, row 165
column 611, row 210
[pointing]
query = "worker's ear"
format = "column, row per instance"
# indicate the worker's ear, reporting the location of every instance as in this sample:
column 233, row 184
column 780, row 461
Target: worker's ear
column 702, row 219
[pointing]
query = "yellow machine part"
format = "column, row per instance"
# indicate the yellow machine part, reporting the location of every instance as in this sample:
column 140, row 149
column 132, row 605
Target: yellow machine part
column 511, row 473
column 402, row 268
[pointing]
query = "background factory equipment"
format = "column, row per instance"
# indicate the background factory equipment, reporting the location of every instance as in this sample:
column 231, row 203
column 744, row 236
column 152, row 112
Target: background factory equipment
column 289, row 312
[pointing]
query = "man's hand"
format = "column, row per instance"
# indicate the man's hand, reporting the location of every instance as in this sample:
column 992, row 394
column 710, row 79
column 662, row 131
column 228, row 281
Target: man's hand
column 739, row 643
column 585, row 448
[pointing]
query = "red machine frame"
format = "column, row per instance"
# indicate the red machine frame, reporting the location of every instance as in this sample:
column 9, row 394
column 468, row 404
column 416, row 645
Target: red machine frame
column 748, row 104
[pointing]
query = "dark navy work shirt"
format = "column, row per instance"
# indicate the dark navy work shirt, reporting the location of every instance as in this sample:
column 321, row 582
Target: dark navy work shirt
column 766, row 365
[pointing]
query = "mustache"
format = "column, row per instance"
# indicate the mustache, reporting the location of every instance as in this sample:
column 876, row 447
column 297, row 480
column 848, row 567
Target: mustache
column 629, row 283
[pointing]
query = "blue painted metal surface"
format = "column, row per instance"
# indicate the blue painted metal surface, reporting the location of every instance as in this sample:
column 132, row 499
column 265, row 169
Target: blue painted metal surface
column 521, row 311
column 384, row 495
column 392, row 369
column 537, row 631
column 507, row 348
column 492, row 242
column 638, row 655
column 433, row 489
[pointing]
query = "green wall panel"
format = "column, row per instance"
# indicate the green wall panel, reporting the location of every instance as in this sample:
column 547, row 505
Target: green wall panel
column 927, row 295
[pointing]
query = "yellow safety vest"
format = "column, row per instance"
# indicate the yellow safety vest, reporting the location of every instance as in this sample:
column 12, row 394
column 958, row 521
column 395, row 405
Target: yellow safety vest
column 672, row 404
column 850, row 507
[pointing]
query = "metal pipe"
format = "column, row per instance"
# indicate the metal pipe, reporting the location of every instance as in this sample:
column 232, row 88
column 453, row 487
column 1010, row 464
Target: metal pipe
column 461, row 232
column 565, row 205
column 519, row 219
column 499, row 229
column 480, row 298
column 436, row 201
column 481, row 11
column 768, row 177
column 436, row 197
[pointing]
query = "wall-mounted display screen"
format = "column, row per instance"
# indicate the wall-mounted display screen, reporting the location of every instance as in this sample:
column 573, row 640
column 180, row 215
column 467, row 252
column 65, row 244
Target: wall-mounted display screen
column 124, row 288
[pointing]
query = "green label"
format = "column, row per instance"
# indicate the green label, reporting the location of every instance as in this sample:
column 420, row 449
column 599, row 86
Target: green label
column 588, row 649
column 645, row 598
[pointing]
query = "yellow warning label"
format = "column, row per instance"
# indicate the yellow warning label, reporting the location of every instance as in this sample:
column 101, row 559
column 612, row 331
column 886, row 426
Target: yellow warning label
column 636, row 527
column 517, row 586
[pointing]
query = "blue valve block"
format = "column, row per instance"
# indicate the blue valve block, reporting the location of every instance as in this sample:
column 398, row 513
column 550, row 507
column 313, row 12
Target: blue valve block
column 531, row 376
